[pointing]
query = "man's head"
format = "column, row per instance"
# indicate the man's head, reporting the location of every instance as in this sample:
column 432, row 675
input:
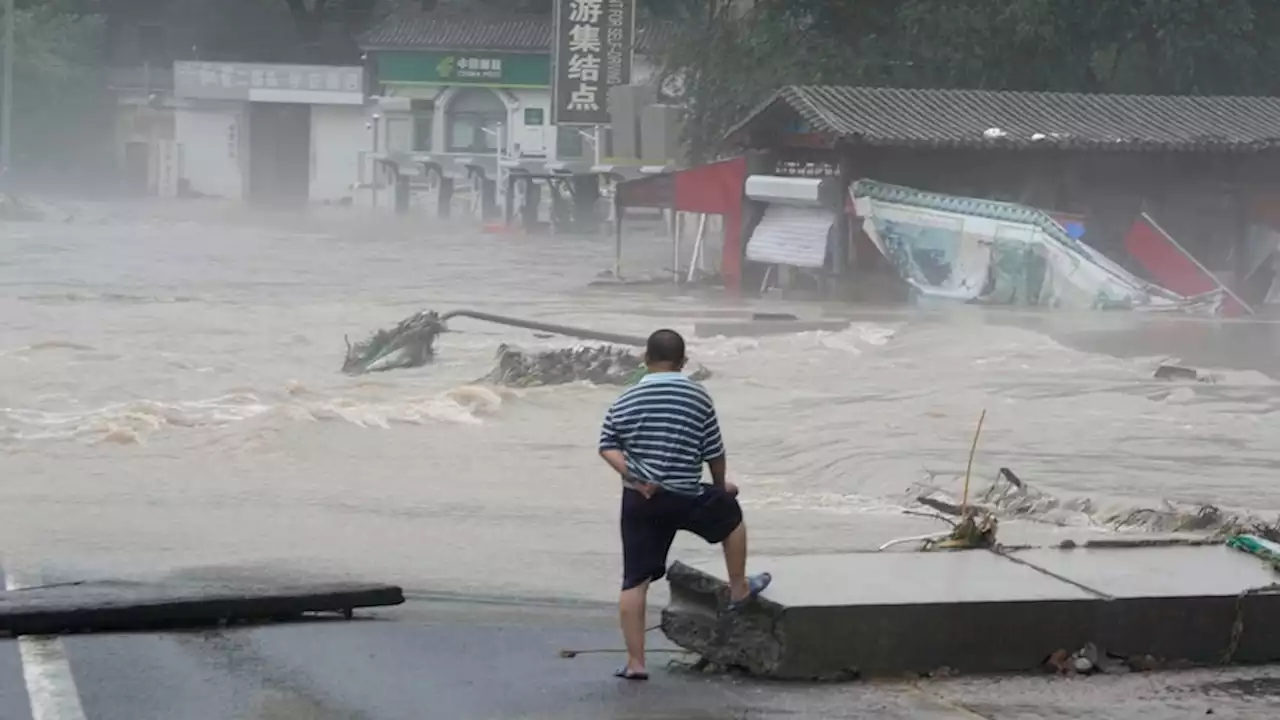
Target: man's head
column 664, row 352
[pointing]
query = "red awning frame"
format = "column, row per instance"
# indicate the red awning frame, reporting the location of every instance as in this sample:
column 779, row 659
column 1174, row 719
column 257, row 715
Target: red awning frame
column 716, row 188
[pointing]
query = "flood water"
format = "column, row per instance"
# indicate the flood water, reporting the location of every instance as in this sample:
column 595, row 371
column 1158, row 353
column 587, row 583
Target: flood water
column 170, row 397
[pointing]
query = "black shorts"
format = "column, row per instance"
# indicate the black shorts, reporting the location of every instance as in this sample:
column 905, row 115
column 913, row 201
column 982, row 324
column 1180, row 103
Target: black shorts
column 649, row 526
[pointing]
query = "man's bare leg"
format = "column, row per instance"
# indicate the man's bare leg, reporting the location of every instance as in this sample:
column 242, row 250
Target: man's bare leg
column 735, row 561
column 631, row 613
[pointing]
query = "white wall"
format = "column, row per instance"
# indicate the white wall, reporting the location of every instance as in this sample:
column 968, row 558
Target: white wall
column 338, row 137
column 213, row 141
column 533, row 140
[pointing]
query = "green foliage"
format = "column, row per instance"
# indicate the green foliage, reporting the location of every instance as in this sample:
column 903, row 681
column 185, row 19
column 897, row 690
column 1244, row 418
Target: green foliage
column 733, row 58
column 57, row 86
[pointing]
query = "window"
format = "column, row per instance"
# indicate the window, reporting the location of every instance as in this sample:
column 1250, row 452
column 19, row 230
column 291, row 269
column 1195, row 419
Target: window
column 569, row 142
column 533, row 117
column 473, row 121
column 424, row 121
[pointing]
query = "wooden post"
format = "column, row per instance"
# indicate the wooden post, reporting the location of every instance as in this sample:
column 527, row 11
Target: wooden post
column 841, row 254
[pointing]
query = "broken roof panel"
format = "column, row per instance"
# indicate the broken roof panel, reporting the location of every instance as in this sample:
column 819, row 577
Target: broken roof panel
column 1025, row 120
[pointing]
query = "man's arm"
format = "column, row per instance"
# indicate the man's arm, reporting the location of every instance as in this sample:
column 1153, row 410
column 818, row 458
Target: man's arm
column 616, row 460
column 713, row 452
column 611, row 446
column 717, row 468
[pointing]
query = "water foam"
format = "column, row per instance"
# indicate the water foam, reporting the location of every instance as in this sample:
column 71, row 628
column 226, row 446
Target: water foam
column 134, row 422
column 853, row 340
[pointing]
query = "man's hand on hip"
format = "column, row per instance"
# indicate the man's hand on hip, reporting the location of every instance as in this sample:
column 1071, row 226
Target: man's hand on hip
column 647, row 489
column 731, row 489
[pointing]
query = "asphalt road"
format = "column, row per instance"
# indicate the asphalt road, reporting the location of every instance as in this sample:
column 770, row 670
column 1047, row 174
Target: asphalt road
column 474, row 660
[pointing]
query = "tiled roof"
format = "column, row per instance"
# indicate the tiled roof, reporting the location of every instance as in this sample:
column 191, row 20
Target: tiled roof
column 986, row 118
column 469, row 31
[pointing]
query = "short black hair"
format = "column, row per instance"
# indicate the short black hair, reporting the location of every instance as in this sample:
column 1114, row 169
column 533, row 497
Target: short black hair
column 664, row 346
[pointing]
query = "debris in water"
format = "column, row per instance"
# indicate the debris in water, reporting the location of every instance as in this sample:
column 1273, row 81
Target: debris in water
column 1175, row 372
column 599, row 364
column 409, row 344
column 1011, row 497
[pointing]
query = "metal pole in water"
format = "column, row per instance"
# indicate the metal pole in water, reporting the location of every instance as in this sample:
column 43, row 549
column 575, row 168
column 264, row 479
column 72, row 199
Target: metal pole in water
column 696, row 261
column 677, row 229
column 6, row 133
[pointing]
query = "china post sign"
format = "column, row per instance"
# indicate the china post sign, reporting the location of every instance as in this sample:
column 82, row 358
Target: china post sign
column 594, row 44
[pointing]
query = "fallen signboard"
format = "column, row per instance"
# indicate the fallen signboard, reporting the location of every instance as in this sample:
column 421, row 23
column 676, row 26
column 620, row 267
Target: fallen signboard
column 998, row 253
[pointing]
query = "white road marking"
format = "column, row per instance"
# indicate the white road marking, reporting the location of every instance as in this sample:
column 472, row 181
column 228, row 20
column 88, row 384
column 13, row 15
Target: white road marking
column 51, row 689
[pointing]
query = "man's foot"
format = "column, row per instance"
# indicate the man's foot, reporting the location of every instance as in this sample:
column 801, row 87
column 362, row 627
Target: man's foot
column 756, row 584
column 627, row 673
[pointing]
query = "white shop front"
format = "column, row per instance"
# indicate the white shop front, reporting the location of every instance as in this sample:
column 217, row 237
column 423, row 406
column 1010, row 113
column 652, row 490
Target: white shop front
column 269, row 133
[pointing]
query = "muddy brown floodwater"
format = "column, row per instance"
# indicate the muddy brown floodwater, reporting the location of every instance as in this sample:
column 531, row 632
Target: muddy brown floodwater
column 170, row 397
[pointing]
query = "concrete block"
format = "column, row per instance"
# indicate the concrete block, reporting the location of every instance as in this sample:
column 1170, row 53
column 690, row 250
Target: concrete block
column 979, row 612
column 625, row 104
column 660, row 128
column 1175, row 602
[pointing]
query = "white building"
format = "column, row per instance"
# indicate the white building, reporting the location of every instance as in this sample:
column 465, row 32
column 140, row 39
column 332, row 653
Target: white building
column 459, row 91
column 275, row 134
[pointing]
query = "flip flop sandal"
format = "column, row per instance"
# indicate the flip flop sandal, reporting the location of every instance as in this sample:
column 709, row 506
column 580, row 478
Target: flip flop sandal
column 626, row 674
column 756, row 585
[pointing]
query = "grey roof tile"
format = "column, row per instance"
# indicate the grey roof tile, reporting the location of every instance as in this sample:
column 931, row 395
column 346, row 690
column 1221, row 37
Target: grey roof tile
column 988, row 118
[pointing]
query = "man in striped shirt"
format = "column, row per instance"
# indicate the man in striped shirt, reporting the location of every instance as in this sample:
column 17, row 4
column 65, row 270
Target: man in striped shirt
column 656, row 436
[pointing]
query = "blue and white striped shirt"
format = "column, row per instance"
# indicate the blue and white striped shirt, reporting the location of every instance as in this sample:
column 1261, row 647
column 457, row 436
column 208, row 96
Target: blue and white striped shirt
column 666, row 426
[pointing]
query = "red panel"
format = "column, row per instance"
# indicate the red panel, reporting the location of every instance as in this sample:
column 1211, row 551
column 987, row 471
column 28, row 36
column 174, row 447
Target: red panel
column 717, row 189
column 714, row 188
column 1169, row 267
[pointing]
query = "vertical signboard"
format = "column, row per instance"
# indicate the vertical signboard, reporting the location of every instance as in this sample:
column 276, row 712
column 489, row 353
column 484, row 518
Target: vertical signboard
column 594, row 43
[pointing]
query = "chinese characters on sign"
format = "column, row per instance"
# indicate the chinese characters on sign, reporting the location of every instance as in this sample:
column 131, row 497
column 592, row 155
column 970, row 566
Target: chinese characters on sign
column 236, row 80
column 594, row 44
column 472, row 68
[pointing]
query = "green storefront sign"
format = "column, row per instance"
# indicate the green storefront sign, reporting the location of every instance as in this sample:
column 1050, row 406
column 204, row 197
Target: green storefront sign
column 512, row 70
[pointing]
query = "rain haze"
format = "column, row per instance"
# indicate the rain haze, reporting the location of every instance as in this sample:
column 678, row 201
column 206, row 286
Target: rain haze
column 198, row 223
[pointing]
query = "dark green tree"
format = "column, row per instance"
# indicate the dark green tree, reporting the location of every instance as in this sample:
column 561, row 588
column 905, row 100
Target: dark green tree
column 740, row 53
column 58, row 90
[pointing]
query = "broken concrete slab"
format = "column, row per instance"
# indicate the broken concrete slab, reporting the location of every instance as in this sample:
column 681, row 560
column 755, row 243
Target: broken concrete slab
column 977, row 611
column 121, row 606
column 1175, row 602
column 833, row 615
column 763, row 327
column 1160, row 571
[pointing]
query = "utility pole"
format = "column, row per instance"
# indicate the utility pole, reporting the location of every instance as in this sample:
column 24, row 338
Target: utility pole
column 6, row 133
